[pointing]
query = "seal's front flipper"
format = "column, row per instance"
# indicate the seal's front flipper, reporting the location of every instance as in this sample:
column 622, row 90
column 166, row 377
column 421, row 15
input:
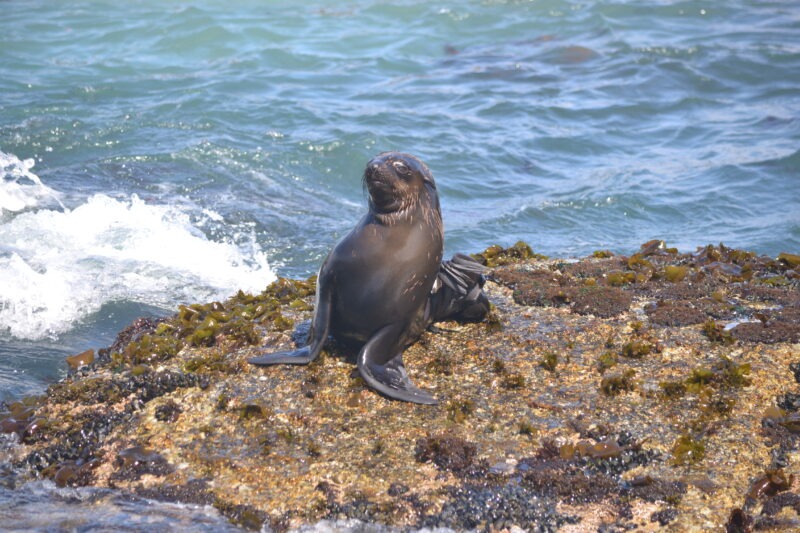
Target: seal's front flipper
column 301, row 356
column 380, row 363
column 316, row 336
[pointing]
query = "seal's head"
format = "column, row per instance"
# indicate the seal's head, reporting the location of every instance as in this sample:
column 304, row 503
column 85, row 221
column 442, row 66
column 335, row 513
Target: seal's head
column 397, row 182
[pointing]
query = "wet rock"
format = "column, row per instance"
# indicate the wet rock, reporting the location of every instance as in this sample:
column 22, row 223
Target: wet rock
column 650, row 387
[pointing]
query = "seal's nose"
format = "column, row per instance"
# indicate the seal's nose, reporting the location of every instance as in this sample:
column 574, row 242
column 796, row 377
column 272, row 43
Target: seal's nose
column 373, row 169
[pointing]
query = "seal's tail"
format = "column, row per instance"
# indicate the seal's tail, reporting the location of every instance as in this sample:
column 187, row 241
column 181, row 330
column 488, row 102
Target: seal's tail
column 457, row 293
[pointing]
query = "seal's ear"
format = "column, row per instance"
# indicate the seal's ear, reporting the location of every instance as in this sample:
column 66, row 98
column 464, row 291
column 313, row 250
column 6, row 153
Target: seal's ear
column 427, row 177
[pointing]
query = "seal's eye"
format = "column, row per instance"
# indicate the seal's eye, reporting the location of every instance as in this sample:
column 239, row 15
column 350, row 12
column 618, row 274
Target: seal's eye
column 401, row 167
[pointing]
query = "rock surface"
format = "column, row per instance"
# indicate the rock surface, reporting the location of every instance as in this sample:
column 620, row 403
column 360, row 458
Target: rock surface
column 645, row 392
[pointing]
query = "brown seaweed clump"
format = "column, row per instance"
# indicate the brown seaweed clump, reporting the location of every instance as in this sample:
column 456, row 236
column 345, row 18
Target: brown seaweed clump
column 446, row 452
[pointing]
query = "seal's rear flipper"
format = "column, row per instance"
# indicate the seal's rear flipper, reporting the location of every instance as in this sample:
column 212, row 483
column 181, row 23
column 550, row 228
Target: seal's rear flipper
column 458, row 291
column 301, row 356
column 386, row 374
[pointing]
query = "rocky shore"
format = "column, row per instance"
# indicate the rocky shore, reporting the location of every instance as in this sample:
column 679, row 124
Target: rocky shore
column 658, row 390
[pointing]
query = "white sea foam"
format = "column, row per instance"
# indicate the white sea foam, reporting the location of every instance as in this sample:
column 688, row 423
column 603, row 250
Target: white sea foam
column 19, row 187
column 59, row 266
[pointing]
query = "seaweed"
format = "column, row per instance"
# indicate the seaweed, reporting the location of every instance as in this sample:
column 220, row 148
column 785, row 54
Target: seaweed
column 497, row 255
column 445, row 451
column 688, row 450
column 549, row 361
column 616, row 384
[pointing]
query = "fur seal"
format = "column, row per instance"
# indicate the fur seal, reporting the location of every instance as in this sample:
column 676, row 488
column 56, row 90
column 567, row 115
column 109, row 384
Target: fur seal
column 385, row 282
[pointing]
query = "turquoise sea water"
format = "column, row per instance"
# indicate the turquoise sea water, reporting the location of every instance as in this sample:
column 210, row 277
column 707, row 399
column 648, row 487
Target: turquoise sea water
column 155, row 153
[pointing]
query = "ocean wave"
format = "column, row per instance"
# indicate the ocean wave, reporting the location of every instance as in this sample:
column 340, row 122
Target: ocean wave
column 60, row 266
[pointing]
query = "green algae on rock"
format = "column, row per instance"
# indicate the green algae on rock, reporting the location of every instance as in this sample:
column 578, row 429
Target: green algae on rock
column 549, row 361
column 688, row 450
column 656, row 387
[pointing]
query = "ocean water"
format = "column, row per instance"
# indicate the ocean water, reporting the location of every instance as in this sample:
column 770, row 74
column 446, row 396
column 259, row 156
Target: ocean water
column 157, row 153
